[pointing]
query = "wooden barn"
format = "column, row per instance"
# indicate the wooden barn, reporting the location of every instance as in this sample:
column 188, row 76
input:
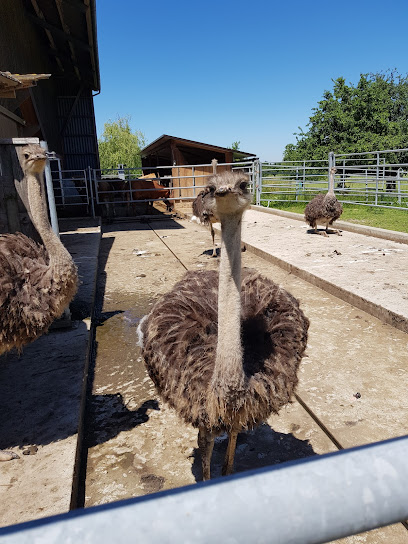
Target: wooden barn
column 188, row 162
column 50, row 69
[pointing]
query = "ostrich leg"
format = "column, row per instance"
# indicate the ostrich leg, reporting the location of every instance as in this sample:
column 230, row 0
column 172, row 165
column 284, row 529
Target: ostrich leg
column 228, row 467
column 214, row 253
column 205, row 445
column 333, row 231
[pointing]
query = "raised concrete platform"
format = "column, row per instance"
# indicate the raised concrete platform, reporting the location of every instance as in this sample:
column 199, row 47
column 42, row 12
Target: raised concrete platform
column 361, row 267
column 42, row 396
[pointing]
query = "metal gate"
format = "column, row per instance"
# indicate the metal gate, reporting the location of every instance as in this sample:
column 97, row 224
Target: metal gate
column 132, row 191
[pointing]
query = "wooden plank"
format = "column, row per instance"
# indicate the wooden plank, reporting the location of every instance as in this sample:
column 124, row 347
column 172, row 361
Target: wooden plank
column 13, row 212
column 19, row 141
column 11, row 115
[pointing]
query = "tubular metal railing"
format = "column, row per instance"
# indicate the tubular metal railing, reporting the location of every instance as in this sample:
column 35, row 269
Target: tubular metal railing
column 369, row 179
column 312, row 501
column 178, row 183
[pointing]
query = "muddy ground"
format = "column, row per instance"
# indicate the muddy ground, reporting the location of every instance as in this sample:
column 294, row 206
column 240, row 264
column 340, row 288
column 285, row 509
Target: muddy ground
column 135, row 445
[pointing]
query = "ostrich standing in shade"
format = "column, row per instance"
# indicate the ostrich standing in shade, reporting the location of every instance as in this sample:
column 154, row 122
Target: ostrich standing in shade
column 324, row 209
column 37, row 282
column 204, row 215
column 224, row 348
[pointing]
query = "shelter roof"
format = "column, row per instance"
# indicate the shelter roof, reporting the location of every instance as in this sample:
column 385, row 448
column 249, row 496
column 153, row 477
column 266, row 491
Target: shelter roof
column 165, row 139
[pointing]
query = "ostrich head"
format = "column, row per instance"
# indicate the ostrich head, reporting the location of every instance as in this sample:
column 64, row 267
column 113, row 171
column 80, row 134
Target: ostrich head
column 33, row 159
column 333, row 170
column 228, row 193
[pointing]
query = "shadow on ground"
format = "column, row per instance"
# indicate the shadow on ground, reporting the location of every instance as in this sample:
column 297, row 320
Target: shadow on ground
column 261, row 447
column 108, row 416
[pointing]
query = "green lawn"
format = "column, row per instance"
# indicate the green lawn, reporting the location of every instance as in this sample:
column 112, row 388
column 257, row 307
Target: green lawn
column 364, row 215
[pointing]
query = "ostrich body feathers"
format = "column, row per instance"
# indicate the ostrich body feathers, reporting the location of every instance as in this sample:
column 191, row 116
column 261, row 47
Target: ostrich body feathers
column 32, row 293
column 323, row 209
column 180, row 341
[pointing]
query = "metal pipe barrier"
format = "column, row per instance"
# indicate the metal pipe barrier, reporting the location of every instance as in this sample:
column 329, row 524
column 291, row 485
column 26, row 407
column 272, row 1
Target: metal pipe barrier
column 311, row 501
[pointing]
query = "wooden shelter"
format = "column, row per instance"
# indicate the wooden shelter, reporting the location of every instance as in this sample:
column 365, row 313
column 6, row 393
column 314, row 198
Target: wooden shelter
column 188, row 162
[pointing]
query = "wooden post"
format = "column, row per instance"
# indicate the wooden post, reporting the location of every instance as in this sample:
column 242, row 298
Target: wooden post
column 214, row 163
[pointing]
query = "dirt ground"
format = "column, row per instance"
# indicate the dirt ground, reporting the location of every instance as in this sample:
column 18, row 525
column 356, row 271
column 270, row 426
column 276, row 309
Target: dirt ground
column 136, row 445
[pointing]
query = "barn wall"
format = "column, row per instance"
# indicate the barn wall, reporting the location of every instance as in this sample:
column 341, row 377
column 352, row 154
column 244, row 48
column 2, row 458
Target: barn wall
column 76, row 121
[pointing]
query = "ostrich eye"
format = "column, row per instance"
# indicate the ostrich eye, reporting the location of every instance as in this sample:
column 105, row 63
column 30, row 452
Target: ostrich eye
column 26, row 155
column 211, row 188
column 243, row 185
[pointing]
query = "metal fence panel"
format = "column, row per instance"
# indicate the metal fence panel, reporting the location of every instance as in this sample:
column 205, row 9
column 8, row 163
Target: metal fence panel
column 369, row 179
column 118, row 186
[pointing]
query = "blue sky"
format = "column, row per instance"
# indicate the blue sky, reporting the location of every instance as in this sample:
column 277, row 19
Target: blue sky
column 223, row 71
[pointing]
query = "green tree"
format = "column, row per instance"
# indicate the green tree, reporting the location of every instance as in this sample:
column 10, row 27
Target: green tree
column 235, row 145
column 119, row 145
column 373, row 115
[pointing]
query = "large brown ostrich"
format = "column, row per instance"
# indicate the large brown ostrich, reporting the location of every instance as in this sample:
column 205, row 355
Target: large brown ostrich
column 225, row 369
column 202, row 214
column 37, row 282
column 324, row 209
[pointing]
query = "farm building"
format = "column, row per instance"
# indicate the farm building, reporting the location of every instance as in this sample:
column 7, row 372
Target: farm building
column 187, row 161
column 50, row 68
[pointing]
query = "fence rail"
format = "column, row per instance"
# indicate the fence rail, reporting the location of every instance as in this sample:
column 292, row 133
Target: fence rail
column 369, row 179
column 119, row 189
column 312, row 501
column 366, row 179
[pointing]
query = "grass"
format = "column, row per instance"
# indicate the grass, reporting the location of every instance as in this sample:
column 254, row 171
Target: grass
column 383, row 218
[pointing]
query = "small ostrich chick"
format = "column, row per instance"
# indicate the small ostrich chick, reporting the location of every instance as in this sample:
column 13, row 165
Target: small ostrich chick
column 324, row 209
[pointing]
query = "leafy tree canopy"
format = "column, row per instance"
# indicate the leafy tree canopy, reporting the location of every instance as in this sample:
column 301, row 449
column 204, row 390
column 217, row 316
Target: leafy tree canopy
column 119, row 145
column 373, row 115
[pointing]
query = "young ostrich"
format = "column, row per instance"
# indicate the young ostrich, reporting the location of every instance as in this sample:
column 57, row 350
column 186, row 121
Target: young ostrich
column 36, row 282
column 324, row 209
column 204, row 215
column 225, row 369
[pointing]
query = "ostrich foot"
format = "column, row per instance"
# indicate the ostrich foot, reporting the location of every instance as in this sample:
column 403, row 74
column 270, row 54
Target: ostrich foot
column 8, row 455
column 334, row 231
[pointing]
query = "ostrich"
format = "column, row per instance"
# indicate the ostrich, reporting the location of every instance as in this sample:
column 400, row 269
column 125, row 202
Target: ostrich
column 324, row 209
column 202, row 214
column 223, row 348
column 37, row 282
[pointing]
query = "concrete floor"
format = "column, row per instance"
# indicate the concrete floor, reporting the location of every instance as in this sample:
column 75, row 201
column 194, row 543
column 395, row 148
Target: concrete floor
column 138, row 445
column 135, row 444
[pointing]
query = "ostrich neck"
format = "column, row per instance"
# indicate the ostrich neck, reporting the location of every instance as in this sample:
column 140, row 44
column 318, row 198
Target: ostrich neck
column 229, row 347
column 58, row 255
column 331, row 185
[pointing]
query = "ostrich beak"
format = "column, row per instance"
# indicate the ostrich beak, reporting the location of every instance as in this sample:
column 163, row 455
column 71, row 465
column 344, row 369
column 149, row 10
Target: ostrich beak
column 222, row 191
